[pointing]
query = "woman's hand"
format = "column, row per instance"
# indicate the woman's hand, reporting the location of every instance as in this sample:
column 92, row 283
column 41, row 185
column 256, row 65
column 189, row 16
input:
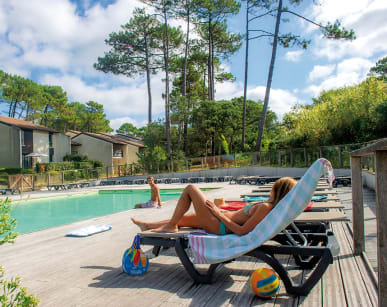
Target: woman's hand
column 213, row 208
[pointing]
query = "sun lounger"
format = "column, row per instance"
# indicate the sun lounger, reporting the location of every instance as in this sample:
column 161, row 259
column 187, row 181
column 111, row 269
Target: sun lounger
column 10, row 191
column 264, row 196
column 215, row 249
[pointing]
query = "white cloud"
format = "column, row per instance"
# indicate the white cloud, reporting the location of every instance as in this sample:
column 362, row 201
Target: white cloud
column 126, row 100
column 349, row 72
column 294, row 56
column 321, row 71
column 366, row 17
column 280, row 102
column 117, row 122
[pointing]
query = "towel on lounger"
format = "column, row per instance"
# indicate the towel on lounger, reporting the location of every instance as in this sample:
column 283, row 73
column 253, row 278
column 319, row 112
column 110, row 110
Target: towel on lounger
column 213, row 248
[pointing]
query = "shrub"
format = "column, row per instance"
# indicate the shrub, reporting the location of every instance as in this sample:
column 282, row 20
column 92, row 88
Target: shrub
column 12, row 293
column 13, row 170
column 76, row 158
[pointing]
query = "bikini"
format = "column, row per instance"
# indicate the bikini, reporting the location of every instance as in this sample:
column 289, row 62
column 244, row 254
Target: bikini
column 222, row 227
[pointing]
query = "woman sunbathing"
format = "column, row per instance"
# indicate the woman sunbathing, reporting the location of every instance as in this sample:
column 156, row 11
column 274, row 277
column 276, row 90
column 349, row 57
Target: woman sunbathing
column 209, row 217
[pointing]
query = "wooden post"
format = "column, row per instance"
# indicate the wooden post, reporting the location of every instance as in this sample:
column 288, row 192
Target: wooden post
column 340, row 158
column 235, row 164
column 291, row 157
column 48, row 179
column 305, row 158
column 381, row 213
column 357, row 206
column 107, row 171
column 269, row 158
column 321, row 153
column 279, row 159
column 62, row 177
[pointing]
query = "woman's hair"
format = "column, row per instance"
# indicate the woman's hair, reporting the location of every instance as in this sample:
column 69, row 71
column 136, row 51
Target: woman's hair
column 280, row 188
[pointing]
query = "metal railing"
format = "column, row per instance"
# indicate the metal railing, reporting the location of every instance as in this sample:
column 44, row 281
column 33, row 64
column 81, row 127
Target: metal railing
column 297, row 157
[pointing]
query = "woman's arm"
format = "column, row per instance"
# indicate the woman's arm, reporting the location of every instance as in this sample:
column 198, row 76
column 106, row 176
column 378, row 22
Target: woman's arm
column 240, row 230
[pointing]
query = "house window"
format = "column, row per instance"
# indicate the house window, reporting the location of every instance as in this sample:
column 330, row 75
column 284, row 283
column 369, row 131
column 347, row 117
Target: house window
column 51, row 148
column 27, row 141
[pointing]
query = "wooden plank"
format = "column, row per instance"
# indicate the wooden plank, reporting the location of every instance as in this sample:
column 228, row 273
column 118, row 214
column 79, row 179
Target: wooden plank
column 381, row 213
column 316, row 217
column 355, row 292
column 333, row 283
column 368, row 150
column 259, row 193
column 363, row 268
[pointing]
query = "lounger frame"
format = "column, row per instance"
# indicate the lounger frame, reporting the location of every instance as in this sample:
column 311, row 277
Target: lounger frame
column 319, row 257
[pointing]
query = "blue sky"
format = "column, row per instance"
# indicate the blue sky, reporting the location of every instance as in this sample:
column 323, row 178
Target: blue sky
column 57, row 41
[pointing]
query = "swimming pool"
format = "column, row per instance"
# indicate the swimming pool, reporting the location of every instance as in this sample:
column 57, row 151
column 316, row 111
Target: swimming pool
column 38, row 214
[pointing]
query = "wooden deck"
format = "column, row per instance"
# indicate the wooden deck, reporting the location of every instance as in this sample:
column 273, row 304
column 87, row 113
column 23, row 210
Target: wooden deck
column 64, row 271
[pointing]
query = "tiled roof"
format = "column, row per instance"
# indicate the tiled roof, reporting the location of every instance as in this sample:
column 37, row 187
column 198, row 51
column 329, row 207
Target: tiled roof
column 110, row 138
column 23, row 124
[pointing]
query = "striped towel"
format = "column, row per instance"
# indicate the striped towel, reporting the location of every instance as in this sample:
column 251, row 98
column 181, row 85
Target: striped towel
column 211, row 248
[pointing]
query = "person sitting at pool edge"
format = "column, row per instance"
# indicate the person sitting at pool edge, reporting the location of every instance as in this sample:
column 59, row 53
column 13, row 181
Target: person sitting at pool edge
column 155, row 200
column 213, row 220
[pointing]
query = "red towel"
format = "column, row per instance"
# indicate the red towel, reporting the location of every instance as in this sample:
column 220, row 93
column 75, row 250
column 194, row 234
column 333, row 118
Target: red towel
column 233, row 206
column 309, row 206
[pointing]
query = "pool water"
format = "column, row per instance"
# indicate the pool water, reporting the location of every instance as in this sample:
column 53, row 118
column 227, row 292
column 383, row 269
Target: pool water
column 37, row 214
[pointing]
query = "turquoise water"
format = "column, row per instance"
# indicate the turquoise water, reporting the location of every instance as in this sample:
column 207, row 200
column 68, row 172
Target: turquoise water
column 37, row 214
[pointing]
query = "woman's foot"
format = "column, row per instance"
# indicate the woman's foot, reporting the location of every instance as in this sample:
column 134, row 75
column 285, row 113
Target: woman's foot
column 143, row 226
column 166, row 228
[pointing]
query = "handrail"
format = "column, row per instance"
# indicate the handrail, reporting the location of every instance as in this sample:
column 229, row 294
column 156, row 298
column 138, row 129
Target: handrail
column 379, row 151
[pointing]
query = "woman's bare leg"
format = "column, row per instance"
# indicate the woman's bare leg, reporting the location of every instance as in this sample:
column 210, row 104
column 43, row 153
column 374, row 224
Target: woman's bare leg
column 188, row 220
column 148, row 225
column 203, row 215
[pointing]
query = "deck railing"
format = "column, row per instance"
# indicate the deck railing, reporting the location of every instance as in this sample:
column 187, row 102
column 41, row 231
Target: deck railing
column 377, row 150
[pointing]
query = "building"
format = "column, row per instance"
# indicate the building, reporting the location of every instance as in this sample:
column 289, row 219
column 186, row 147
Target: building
column 20, row 138
column 135, row 139
column 105, row 147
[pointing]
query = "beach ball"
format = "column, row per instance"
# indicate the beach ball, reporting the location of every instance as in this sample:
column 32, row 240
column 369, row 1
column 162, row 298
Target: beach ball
column 264, row 282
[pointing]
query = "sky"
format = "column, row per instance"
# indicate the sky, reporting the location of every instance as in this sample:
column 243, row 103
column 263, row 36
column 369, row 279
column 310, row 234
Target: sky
column 56, row 42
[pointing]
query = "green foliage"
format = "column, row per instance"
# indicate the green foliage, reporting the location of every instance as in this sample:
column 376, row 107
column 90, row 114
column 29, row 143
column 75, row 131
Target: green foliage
column 335, row 31
column 347, row 115
column 49, row 106
column 7, row 223
column 16, row 171
column 75, row 157
column 15, row 295
column 12, row 293
column 380, row 69
column 129, row 129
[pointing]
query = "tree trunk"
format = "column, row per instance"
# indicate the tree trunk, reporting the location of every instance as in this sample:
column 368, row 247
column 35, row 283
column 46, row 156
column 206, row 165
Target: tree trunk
column 148, row 82
column 183, row 89
column 245, row 82
column 210, row 72
column 166, row 57
column 269, row 78
column 14, row 109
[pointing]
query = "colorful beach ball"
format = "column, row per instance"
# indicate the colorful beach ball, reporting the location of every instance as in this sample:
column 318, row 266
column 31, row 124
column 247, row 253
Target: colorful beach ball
column 264, row 282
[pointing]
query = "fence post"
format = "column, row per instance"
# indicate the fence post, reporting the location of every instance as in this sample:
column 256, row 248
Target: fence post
column 62, row 177
column 48, row 179
column 279, row 159
column 321, row 154
column 291, row 157
column 357, row 206
column 107, row 172
column 235, row 163
column 269, row 153
column 340, row 159
column 305, row 158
